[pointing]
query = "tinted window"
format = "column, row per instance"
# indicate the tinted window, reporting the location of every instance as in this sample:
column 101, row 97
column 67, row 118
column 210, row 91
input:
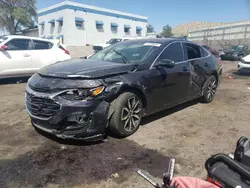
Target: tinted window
column 207, row 47
column 18, row 44
column 42, row 45
column 204, row 53
column 173, row 52
column 193, row 51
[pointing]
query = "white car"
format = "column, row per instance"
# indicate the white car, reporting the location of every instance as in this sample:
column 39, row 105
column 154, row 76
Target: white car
column 23, row 56
column 99, row 47
column 244, row 65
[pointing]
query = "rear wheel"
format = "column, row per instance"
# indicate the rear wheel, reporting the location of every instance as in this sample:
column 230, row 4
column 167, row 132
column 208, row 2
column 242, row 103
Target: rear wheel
column 209, row 89
column 125, row 120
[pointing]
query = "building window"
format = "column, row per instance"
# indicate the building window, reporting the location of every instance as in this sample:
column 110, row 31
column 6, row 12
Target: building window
column 114, row 27
column 60, row 25
column 127, row 29
column 99, row 26
column 52, row 26
column 79, row 23
column 138, row 30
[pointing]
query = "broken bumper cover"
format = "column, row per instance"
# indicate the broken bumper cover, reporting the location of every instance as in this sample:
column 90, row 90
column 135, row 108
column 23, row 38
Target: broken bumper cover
column 82, row 120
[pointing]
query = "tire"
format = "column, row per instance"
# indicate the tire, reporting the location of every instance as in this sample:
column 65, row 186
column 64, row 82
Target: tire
column 127, row 115
column 209, row 89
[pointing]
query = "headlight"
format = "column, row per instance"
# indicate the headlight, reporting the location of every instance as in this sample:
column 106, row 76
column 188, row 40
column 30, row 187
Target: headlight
column 80, row 94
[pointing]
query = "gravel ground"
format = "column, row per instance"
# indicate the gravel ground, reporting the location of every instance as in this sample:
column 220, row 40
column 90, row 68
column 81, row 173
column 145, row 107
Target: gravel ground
column 190, row 133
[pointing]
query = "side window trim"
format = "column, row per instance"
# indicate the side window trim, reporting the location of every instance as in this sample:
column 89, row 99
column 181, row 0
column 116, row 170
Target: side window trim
column 209, row 54
column 163, row 51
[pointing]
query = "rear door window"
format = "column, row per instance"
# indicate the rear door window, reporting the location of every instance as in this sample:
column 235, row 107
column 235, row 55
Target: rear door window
column 193, row 51
column 19, row 44
column 204, row 53
column 42, row 45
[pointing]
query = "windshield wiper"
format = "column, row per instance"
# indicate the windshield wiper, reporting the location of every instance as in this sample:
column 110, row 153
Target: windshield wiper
column 125, row 60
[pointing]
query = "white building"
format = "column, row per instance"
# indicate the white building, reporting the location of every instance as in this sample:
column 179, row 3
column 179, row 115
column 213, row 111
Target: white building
column 80, row 24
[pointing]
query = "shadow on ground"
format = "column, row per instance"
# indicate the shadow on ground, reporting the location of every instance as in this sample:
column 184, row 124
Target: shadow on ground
column 75, row 165
column 167, row 112
column 14, row 80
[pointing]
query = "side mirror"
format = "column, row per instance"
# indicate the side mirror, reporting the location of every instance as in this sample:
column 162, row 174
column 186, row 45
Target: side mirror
column 4, row 48
column 165, row 63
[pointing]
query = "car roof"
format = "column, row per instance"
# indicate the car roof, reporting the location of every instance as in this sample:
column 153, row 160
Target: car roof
column 157, row 40
column 25, row 37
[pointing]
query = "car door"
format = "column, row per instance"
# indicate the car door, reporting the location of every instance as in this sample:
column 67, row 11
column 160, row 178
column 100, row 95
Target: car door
column 169, row 85
column 42, row 54
column 198, row 65
column 16, row 59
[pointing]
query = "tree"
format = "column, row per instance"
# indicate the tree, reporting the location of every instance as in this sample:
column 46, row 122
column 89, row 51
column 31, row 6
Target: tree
column 16, row 15
column 166, row 31
column 150, row 28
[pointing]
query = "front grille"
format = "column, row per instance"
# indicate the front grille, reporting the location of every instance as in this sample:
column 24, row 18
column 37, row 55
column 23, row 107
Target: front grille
column 41, row 107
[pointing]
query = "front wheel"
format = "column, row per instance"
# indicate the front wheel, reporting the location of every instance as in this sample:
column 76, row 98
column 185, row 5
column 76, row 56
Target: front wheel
column 127, row 115
column 209, row 89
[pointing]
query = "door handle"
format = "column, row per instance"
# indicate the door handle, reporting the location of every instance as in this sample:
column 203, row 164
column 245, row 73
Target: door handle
column 185, row 69
column 26, row 55
column 206, row 64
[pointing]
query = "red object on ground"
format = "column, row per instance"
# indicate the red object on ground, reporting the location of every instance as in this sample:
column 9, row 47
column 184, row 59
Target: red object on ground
column 189, row 182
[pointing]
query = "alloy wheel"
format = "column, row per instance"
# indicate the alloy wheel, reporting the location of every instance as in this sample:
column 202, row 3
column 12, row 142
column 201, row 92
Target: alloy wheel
column 212, row 85
column 131, row 114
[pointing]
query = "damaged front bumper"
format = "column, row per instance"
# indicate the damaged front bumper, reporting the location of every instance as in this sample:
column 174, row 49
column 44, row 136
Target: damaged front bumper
column 76, row 119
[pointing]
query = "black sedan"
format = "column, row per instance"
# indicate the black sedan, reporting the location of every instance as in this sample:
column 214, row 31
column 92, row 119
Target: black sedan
column 116, row 87
column 235, row 53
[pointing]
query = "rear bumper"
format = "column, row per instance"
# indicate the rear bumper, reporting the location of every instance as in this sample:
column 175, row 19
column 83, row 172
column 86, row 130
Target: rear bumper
column 81, row 120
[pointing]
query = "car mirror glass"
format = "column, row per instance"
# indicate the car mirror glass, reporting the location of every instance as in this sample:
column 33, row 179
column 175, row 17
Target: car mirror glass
column 165, row 63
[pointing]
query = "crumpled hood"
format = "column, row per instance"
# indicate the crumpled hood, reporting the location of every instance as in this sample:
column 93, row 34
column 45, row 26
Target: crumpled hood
column 85, row 68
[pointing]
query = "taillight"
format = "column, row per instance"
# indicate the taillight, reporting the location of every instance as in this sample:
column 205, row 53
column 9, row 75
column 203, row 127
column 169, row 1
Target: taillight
column 4, row 48
column 65, row 51
column 215, row 182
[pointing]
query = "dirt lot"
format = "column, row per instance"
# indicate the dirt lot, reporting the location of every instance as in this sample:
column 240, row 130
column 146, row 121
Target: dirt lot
column 189, row 132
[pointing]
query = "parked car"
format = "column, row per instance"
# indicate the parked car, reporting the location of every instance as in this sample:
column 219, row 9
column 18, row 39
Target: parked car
column 99, row 47
column 23, row 56
column 116, row 87
column 235, row 53
column 244, row 65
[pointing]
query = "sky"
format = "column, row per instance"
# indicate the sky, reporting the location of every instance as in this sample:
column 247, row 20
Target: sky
column 173, row 12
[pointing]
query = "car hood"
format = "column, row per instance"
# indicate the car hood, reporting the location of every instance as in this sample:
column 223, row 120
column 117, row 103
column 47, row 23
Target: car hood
column 85, row 68
column 246, row 58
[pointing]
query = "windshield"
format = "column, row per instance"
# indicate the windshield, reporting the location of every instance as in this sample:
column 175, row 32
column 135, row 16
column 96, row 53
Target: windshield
column 3, row 39
column 113, row 41
column 237, row 47
column 126, row 52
